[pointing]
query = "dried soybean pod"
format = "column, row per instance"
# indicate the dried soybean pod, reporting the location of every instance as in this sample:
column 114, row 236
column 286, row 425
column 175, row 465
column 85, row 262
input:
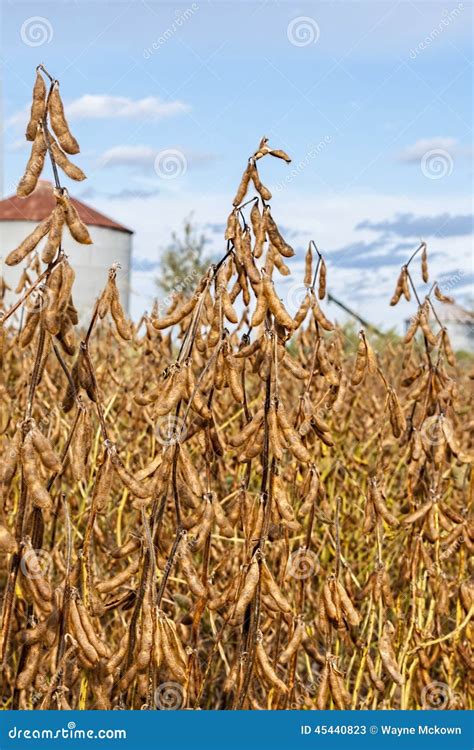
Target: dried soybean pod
column 397, row 417
column 424, row 264
column 266, row 668
column 425, row 327
column 76, row 226
column 195, row 396
column 246, row 433
column 102, row 484
column 189, row 471
column 45, row 450
column 29, row 243
column 38, row 106
column 231, row 225
column 234, row 379
column 387, row 653
column 117, row 658
column 189, row 571
column 260, row 310
column 80, row 635
column 442, row 297
column 323, row 689
column 243, row 186
column 412, row 328
column 375, row 495
column 386, row 590
column 29, row 328
column 258, row 226
column 308, row 267
column 51, row 316
column 278, row 262
column 144, row 654
column 338, row 690
column 360, row 364
column 101, row 648
column 81, row 445
column 248, row 591
column 353, row 617
column 25, row 678
column 227, row 307
column 203, row 530
column 106, row 586
column 168, row 646
column 34, row 166
column 55, row 235
column 178, row 315
column 59, row 122
column 263, row 191
column 275, row 237
column 418, row 514
column 369, row 517
column 377, row 682
column 329, row 603
column 399, row 287
column 280, row 154
column 294, row 643
column 322, row 280
column 405, row 286
column 39, row 494
column 273, row 589
column 67, row 280
column 303, row 310
column 221, row 519
column 275, row 305
column 247, row 258
column 139, row 489
column 103, row 305
column 448, row 349
column 292, row 438
column 122, row 324
column 7, row 541
column 319, row 315
column 372, row 364
column 72, row 170
column 274, row 433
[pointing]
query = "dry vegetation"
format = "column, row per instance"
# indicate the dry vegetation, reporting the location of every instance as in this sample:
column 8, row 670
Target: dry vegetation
column 222, row 510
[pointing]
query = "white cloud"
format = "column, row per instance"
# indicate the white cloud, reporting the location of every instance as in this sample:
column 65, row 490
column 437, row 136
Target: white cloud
column 101, row 106
column 417, row 150
column 143, row 157
column 128, row 156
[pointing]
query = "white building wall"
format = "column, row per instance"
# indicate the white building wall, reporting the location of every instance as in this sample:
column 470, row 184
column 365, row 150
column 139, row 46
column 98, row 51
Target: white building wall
column 90, row 262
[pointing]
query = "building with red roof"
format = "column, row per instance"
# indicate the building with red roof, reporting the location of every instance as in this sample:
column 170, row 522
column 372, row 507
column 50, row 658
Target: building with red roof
column 112, row 243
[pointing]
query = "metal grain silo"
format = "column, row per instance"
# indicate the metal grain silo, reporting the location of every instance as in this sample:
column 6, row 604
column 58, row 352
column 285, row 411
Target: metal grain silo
column 112, row 243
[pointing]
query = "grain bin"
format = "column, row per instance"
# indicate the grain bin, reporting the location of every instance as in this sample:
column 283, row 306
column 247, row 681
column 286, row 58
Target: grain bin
column 112, row 244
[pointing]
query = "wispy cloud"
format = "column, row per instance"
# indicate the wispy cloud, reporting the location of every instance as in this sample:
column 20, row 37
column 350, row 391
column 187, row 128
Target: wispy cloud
column 369, row 255
column 414, row 153
column 102, row 106
column 128, row 156
column 124, row 194
column 142, row 157
column 409, row 225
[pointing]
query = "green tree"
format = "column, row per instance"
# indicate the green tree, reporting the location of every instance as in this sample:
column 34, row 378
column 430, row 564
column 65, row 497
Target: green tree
column 183, row 261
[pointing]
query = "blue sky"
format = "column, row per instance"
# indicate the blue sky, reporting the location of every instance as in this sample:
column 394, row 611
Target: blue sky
column 371, row 99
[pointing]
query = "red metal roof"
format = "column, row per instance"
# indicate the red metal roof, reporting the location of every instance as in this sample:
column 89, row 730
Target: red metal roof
column 41, row 202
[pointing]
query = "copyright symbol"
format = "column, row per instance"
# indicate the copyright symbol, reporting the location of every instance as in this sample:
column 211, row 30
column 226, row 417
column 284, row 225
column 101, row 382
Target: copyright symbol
column 373, row 730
